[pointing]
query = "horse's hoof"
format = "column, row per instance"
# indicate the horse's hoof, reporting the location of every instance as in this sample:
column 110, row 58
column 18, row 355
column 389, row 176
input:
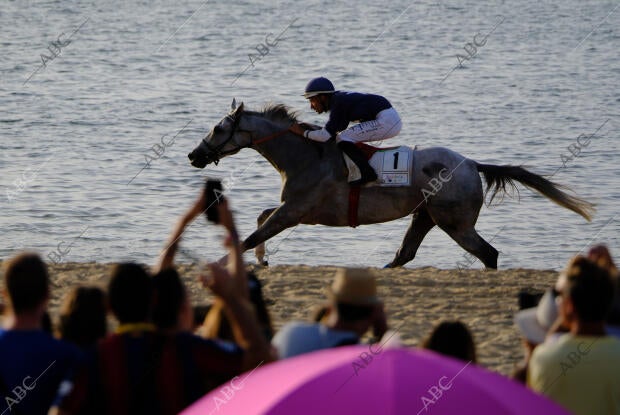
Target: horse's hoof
column 387, row 266
column 265, row 263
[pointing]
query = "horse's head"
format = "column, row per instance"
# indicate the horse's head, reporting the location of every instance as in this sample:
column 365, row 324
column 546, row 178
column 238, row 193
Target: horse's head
column 223, row 140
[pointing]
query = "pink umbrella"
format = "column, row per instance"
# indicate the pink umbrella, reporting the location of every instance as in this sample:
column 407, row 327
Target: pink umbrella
column 370, row 380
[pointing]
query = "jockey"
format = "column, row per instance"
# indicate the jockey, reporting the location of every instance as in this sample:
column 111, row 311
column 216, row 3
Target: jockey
column 377, row 118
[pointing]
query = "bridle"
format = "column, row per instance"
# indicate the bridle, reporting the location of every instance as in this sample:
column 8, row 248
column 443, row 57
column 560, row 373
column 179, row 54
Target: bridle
column 215, row 153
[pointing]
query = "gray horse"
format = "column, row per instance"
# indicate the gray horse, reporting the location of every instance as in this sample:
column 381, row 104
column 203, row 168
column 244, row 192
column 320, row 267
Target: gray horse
column 446, row 189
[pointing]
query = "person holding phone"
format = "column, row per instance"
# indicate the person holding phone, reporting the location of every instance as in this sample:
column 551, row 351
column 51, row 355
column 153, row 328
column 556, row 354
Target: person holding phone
column 139, row 347
column 229, row 283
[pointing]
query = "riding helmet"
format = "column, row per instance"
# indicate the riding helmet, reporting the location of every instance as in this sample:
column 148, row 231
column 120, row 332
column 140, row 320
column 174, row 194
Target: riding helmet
column 319, row 86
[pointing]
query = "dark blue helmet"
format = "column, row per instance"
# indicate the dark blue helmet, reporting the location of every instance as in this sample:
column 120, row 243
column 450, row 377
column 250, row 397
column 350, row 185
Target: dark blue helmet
column 319, row 86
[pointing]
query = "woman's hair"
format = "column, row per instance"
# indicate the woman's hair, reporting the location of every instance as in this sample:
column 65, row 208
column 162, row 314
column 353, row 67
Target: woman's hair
column 168, row 296
column 601, row 256
column 130, row 293
column 452, row 338
column 83, row 316
column 590, row 288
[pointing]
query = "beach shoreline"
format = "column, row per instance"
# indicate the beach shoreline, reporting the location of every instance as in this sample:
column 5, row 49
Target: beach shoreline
column 415, row 299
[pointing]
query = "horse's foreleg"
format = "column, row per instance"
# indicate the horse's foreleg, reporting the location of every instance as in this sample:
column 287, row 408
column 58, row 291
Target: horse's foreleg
column 259, row 251
column 280, row 219
column 420, row 226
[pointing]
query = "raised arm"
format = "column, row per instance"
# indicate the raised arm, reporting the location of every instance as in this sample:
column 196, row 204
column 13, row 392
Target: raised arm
column 232, row 287
column 167, row 256
column 235, row 264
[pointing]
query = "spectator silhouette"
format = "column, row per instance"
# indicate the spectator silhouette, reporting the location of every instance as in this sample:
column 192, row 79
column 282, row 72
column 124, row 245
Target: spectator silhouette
column 354, row 309
column 452, row 338
column 172, row 311
column 83, row 317
column 580, row 369
column 32, row 362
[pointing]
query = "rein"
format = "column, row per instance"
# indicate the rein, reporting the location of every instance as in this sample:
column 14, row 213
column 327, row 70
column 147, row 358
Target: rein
column 270, row 137
column 216, row 154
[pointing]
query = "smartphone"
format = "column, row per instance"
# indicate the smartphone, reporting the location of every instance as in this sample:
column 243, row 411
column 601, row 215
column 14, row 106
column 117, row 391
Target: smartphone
column 214, row 198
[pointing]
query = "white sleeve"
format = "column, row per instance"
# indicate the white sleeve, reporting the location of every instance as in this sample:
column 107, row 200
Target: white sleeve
column 321, row 135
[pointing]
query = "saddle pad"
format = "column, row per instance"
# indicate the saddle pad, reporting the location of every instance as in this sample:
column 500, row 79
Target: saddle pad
column 394, row 167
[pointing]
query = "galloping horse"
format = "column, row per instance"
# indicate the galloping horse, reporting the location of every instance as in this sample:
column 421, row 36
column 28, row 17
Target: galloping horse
column 315, row 188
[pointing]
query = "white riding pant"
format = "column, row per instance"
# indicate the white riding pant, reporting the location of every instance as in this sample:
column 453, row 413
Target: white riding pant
column 386, row 125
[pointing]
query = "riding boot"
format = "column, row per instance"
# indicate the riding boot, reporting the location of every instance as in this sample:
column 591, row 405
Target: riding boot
column 359, row 158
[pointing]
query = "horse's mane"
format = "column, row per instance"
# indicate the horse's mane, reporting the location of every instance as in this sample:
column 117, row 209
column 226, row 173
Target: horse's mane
column 283, row 115
column 277, row 113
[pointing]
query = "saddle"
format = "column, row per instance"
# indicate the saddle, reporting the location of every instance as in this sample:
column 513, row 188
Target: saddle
column 393, row 165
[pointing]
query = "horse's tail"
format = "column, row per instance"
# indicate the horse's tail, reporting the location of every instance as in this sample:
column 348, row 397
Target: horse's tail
column 497, row 177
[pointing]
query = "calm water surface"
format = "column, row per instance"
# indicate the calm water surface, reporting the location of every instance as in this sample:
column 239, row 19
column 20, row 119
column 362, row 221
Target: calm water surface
column 75, row 131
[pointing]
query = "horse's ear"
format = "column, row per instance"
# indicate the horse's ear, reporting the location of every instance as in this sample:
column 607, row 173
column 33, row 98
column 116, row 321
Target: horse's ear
column 233, row 106
column 238, row 110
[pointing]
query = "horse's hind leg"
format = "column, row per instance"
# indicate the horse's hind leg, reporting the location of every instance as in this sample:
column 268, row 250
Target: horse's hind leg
column 259, row 251
column 420, row 226
column 473, row 243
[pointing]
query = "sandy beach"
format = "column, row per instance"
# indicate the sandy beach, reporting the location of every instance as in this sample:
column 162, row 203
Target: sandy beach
column 416, row 299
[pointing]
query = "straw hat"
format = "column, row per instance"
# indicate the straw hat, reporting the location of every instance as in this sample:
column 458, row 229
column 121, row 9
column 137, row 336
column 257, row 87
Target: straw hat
column 355, row 286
